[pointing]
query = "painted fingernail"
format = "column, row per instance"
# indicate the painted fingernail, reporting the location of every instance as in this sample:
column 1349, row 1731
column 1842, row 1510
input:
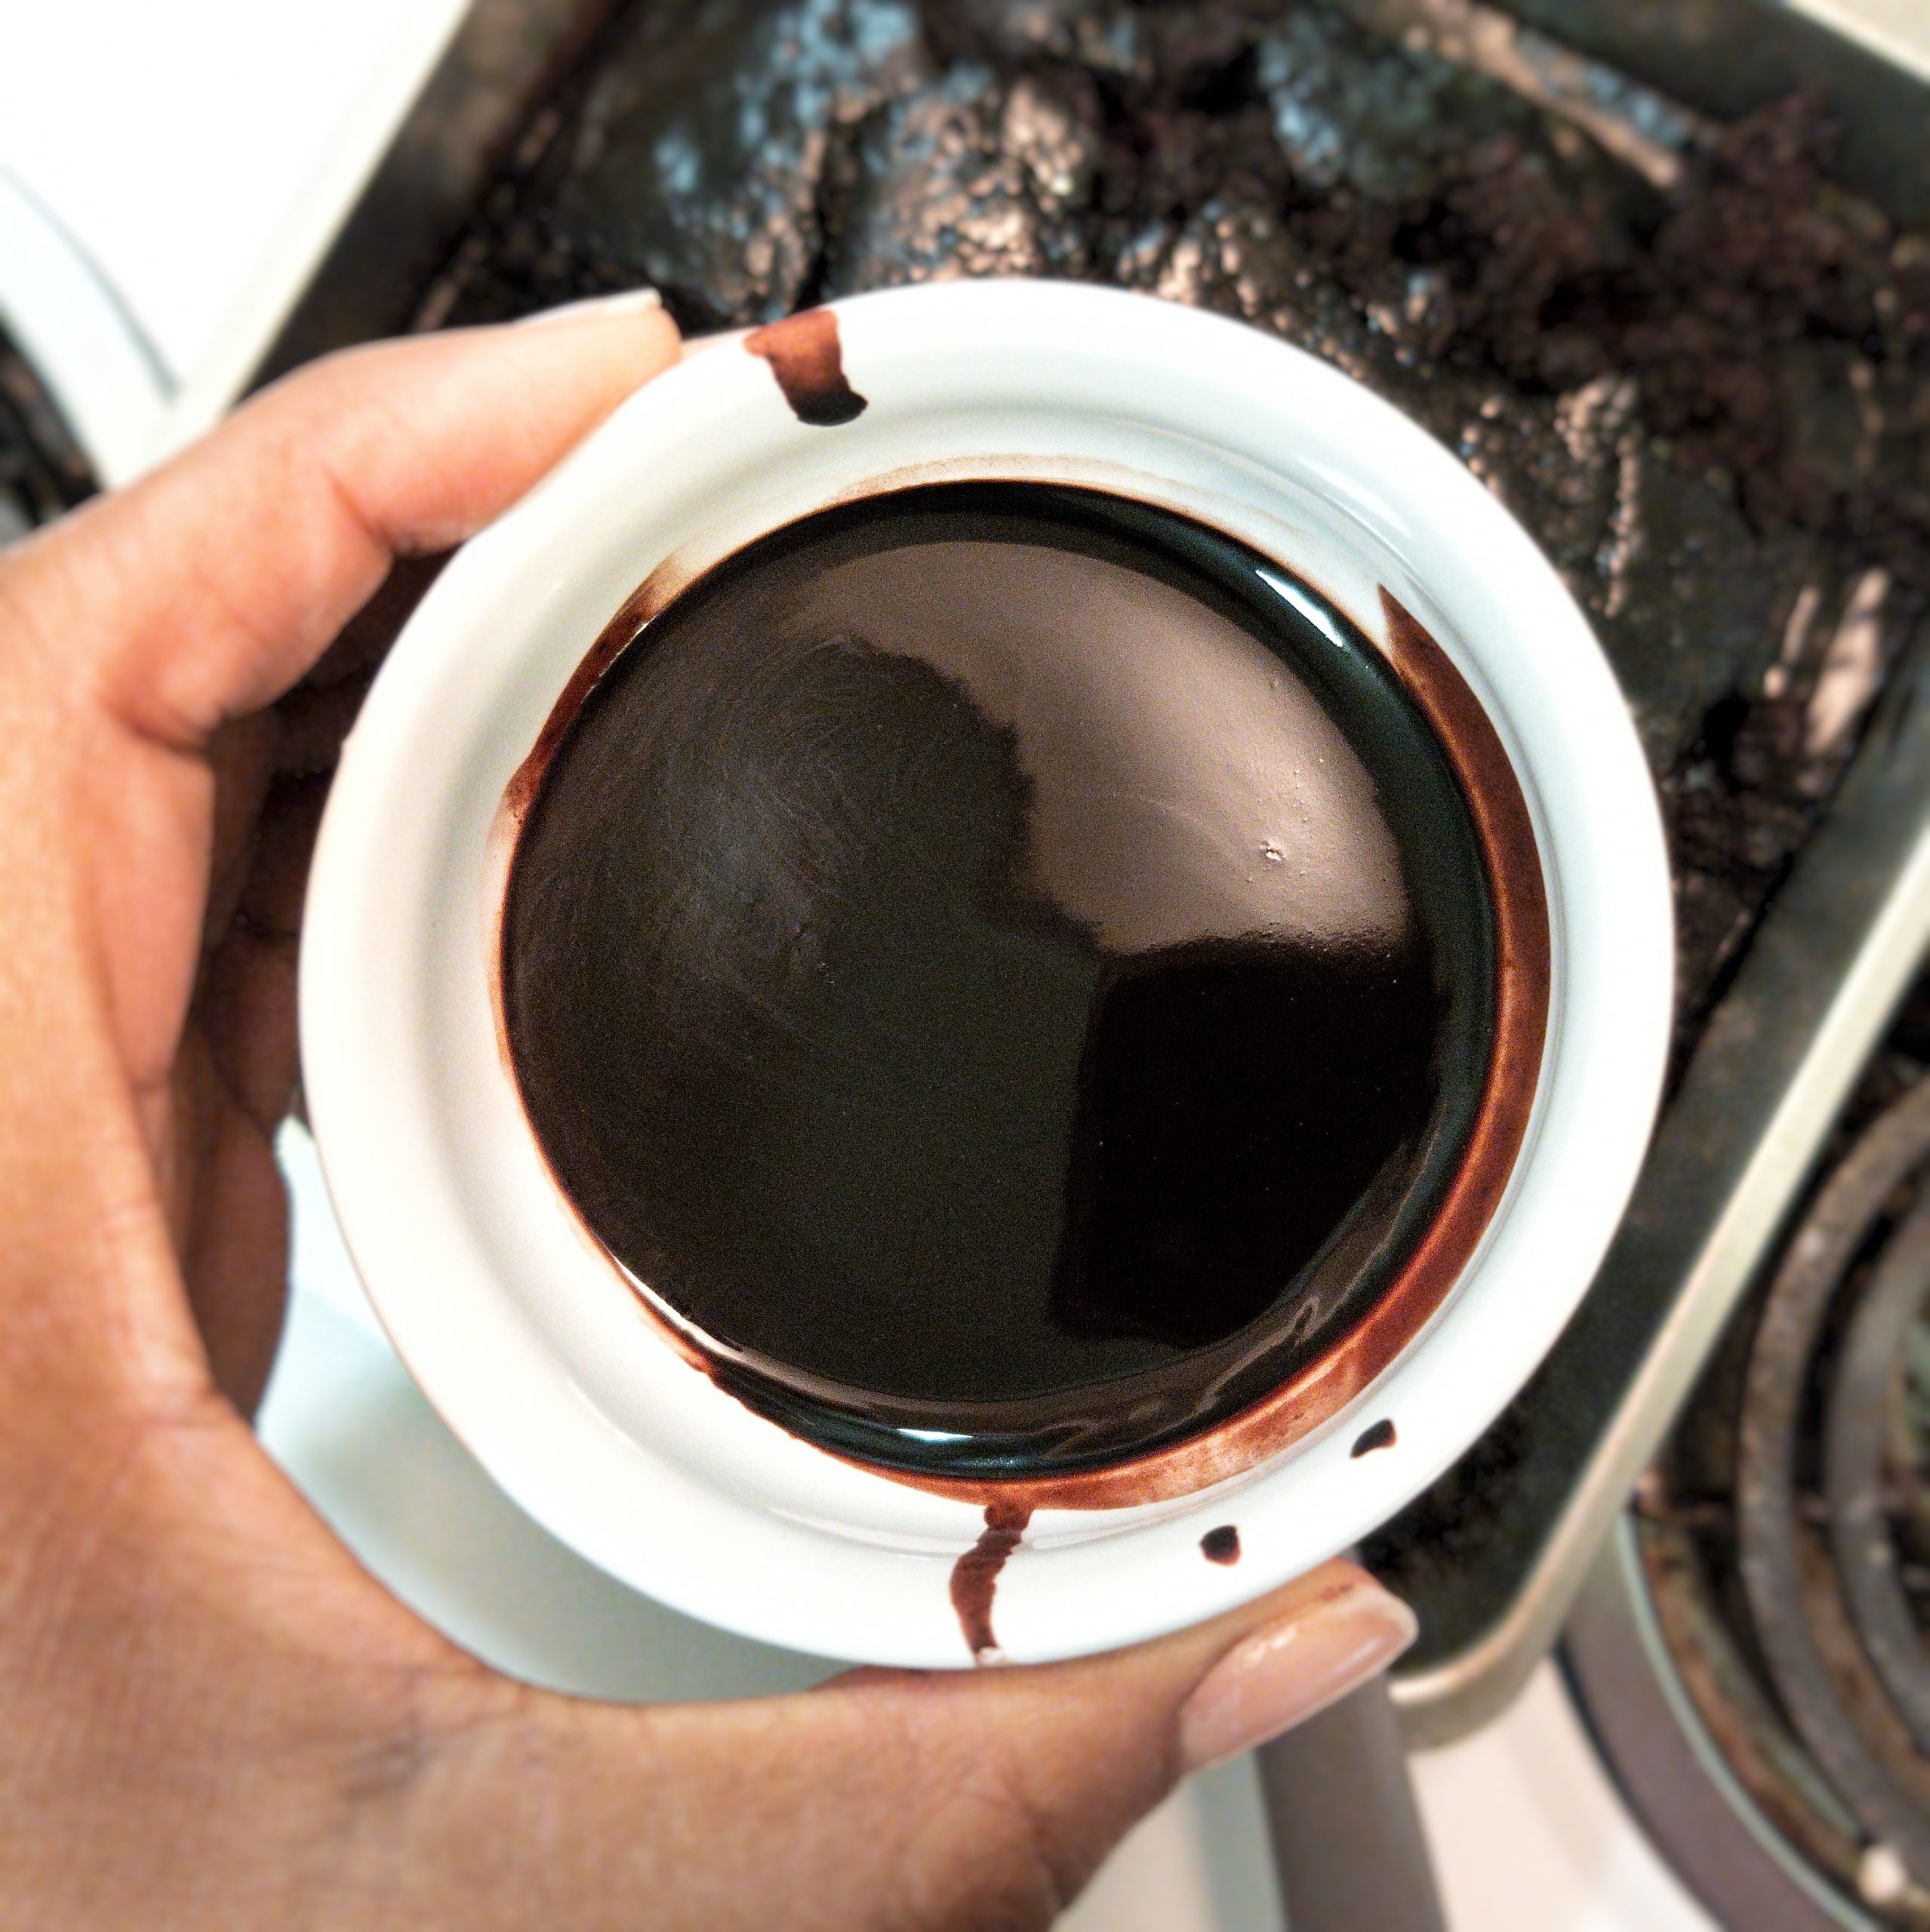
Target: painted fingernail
column 625, row 301
column 1273, row 1680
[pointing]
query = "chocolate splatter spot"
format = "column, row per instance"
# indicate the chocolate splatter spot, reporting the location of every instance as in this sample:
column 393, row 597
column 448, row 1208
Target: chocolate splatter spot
column 1221, row 1546
column 1378, row 1436
column 975, row 1576
column 805, row 356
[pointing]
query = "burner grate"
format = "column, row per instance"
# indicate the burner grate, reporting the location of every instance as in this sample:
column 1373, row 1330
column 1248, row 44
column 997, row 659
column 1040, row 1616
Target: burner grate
column 1817, row 1557
column 42, row 472
column 1751, row 1655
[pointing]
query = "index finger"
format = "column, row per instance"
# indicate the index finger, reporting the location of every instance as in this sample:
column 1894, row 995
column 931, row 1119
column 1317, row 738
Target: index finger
column 209, row 588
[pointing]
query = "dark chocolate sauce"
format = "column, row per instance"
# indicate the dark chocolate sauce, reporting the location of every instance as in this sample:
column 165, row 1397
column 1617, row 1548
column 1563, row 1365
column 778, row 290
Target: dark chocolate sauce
column 1007, row 970
column 975, row 1576
column 1221, row 1546
column 807, row 359
column 1376, row 1436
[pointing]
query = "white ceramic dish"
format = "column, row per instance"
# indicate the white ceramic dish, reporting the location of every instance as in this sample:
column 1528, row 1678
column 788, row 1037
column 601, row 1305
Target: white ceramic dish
column 522, row 1332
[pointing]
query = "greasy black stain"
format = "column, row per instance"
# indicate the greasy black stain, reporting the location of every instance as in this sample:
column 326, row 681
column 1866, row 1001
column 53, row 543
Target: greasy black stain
column 1376, row 1436
column 1221, row 1546
column 1013, row 983
column 975, row 1576
column 807, row 357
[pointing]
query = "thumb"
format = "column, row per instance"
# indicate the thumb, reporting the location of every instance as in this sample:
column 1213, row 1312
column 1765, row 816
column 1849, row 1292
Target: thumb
column 962, row 1801
column 1026, row 1779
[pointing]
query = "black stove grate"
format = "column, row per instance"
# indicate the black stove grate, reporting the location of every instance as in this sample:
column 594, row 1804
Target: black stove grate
column 42, row 472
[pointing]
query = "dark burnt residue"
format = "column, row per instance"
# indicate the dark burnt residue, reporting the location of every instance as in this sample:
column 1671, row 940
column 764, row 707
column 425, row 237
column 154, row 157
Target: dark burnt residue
column 1221, row 1546
column 975, row 1576
column 1376, row 1436
column 807, row 359
column 1704, row 405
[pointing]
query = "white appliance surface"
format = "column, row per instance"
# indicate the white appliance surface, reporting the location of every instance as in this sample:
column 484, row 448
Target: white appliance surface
column 200, row 155
column 193, row 158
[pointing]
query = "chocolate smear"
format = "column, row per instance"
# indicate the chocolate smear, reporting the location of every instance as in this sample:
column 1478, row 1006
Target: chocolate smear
column 975, row 1576
column 1376, row 1435
column 804, row 355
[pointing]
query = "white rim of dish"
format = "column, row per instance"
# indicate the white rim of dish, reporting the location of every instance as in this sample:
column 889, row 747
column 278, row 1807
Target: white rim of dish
column 525, row 1341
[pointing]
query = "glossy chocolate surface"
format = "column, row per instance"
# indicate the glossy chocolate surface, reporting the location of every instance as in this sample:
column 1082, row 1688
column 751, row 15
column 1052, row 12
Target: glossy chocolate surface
column 1009, row 970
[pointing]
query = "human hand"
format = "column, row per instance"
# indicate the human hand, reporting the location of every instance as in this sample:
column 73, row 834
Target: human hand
column 211, row 1717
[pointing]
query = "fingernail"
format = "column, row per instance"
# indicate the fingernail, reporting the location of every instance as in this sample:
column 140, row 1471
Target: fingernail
column 1280, row 1675
column 625, row 301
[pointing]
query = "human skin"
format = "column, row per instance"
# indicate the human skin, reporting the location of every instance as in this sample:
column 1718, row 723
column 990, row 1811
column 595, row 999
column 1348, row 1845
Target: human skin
column 209, row 1716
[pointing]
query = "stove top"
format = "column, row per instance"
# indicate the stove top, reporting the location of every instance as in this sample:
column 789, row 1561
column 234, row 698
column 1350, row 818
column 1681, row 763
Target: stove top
column 1743, row 1646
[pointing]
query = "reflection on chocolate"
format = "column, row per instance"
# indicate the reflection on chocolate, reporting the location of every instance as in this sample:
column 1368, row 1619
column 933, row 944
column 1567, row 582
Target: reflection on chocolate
column 1221, row 1546
column 1376, row 1436
column 1007, row 970
column 807, row 359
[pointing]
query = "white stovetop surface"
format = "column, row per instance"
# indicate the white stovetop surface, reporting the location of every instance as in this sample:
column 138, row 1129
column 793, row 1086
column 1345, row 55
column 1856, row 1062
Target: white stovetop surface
column 168, row 175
